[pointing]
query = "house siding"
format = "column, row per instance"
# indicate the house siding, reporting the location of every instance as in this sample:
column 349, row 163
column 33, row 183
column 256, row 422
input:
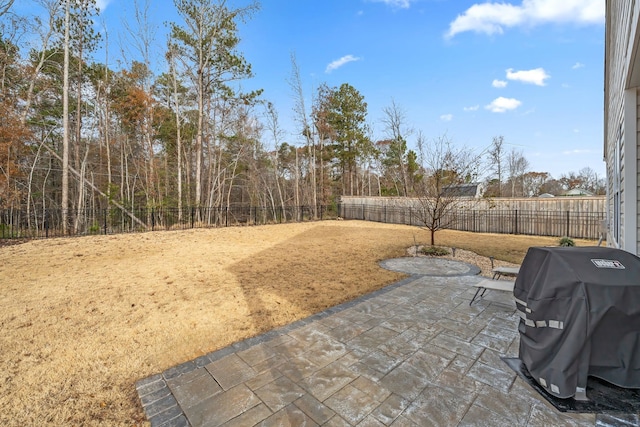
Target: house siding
column 637, row 173
column 622, row 124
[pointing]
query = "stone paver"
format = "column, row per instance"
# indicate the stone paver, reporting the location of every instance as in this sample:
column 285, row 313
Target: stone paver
column 434, row 267
column 411, row 354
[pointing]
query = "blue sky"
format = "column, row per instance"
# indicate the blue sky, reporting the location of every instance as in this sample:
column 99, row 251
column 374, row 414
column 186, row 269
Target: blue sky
column 529, row 70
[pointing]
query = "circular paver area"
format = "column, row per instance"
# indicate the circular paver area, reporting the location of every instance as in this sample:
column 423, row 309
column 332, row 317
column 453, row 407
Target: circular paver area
column 430, row 266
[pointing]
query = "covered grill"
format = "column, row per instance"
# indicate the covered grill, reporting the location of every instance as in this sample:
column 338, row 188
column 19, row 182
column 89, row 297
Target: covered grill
column 580, row 316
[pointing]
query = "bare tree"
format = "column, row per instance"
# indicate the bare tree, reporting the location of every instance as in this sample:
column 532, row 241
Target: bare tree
column 105, row 111
column 591, row 180
column 395, row 159
column 301, row 117
column 141, row 35
column 5, row 5
column 276, row 133
column 448, row 170
column 65, row 122
column 324, row 134
column 496, row 159
column 518, row 166
column 176, row 106
column 586, row 179
column 533, row 183
column 47, row 32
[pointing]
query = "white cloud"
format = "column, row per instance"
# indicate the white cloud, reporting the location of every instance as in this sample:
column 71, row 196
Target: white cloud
column 446, row 117
column 102, row 4
column 577, row 151
column 536, row 76
column 577, row 65
column 492, row 18
column 473, row 108
column 403, row 4
column 340, row 62
column 499, row 83
column 501, row 105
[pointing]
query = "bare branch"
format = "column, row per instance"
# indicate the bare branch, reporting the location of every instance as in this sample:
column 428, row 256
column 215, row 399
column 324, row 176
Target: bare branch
column 448, row 183
column 5, row 5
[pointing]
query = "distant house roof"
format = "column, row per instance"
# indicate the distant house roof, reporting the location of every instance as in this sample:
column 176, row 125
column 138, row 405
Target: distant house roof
column 473, row 189
column 578, row 192
column 546, row 195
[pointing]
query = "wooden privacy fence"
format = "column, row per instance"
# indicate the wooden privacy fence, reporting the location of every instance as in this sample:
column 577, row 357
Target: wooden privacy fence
column 552, row 204
column 583, row 225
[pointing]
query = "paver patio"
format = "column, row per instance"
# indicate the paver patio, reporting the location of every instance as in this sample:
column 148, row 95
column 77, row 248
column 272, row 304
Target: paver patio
column 412, row 354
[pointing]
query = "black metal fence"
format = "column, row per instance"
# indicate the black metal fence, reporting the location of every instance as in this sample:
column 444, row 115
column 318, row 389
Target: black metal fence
column 583, row 225
column 18, row 224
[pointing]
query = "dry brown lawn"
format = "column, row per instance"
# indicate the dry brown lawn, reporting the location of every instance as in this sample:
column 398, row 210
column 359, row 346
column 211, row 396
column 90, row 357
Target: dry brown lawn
column 82, row 319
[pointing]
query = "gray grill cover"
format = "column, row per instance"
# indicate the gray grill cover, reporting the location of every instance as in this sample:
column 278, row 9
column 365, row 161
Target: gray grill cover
column 580, row 316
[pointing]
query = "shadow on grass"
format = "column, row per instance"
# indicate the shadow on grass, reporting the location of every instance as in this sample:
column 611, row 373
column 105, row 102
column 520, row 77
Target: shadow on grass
column 317, row 269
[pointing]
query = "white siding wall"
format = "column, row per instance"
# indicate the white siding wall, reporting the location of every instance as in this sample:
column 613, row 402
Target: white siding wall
column 637, row 172
column 621, row 117
column 628, row 173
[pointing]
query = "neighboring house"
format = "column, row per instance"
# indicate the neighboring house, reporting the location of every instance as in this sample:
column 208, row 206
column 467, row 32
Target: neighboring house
column 621, row 114
column 474, row 189
column 578, row 192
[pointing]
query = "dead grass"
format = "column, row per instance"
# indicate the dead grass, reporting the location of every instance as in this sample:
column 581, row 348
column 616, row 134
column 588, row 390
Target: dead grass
column 506, row 247
column 82, row 319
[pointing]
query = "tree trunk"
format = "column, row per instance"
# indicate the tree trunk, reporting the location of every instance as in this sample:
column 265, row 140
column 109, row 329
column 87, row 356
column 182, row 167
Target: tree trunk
column 81, row 191
column 148, row 128
column 176, row 102
column 78, row 137
column 107, row 142
column 297, row 183
column 29, row 191
column 200, row 130
column 64, row 203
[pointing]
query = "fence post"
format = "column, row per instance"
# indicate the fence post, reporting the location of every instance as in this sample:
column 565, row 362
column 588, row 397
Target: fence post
column 473, row 218
column 516, row 221
column 193, row 214
column 153, row 218
column 567, row 224
column 364, row 218
column 106, row 212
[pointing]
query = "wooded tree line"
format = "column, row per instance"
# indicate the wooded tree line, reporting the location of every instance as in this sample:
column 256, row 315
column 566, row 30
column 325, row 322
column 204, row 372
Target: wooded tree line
column 77, row 133
column 509, row 175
